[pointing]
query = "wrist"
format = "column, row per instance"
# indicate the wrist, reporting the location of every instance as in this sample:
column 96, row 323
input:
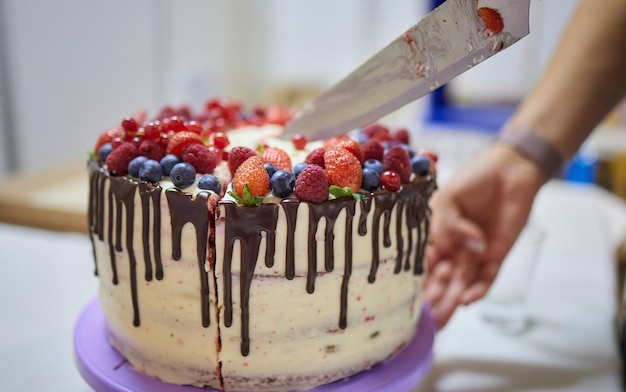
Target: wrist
column 533, row 147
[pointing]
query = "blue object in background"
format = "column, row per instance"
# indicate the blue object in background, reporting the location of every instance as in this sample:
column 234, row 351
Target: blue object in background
column 582, row 168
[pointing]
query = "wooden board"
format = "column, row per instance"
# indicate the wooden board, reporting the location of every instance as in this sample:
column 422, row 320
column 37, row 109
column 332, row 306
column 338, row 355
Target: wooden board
column 55, row 199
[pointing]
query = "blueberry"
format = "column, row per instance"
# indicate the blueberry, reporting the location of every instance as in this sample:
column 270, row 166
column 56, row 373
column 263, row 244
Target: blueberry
column 104, row 152
column 298, row 169
column 282, row 183
column 135, row 165
column 270, row 169
column 375, row 165
column 168, row 162
column 210, row 183
column 408, row 149
column 371, row 179
column 420, row 165
column 183, row 175
column 151, row 171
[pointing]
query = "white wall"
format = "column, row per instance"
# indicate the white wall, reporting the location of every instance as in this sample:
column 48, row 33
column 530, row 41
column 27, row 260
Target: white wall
column 78, row 67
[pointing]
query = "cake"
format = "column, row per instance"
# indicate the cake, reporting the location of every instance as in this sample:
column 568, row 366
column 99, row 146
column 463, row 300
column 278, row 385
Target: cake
column 230, row 258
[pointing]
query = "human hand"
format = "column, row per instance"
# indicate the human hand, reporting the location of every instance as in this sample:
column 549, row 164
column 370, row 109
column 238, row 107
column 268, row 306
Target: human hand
column 477, row 216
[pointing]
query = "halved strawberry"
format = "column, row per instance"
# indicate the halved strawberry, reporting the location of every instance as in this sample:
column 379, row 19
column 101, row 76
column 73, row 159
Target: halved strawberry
column 277, row 157
column 179, row 140
column 107, row 137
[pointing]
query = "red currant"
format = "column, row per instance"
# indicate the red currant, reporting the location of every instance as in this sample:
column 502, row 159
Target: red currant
column 130, row 125
column 174, row 124
column 390, row 180
column 116, row 142
column 194, row 126
column 151, row 131
column 220, row 140
column 299, row 141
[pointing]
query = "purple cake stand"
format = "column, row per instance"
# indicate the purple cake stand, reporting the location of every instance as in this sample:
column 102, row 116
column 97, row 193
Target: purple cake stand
column 104, row 369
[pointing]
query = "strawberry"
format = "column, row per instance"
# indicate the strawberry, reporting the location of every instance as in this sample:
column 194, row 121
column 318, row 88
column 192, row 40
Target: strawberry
column 277, row 115
column 402, row 135
column 237, row 156
column 397, row 160
column 277, row 157
column 151, row 149
column 492, row 19
column 316, row 157
column 343, row 169
column 118, row 160
column 251, row 173
column 179, row 140
column 373, row 149
column 346, row 143
column 107, row 137
column 200, row 157
column 312, row 184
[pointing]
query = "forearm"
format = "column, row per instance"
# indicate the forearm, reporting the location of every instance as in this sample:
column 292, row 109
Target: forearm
column 585, row 79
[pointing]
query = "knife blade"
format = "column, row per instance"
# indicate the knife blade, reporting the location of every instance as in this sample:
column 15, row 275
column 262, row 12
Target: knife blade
column 445, row 43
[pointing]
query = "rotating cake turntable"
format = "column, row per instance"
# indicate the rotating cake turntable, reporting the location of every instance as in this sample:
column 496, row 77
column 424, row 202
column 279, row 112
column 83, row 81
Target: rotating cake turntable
column 105, row 370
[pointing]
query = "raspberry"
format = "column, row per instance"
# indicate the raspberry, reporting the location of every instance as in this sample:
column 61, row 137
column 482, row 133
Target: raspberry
column 377, row 131
column 312, row 184
column 492, row 18
column 237, row 156
column 151, row 149
column 179, row 140
column 252, row 173
column 343, row 169
column 402, row 135
column 397, row 160
column 277, row 157
column 200, row 157
column 316, row 157
column 373, row 149
column 107, row 137
column 346, row 143
column 118, row 160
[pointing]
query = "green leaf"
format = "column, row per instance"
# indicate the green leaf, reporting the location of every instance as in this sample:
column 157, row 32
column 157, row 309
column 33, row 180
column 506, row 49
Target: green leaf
column 93, row 155
column 247, row 199
column 339, row 192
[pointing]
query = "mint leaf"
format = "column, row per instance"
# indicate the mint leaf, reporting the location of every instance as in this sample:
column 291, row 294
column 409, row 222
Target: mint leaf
column 339, row 192
column 235, row 196
column 247, row 199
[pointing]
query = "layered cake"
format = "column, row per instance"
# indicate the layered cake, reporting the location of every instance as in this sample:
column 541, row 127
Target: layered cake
column 233, row 259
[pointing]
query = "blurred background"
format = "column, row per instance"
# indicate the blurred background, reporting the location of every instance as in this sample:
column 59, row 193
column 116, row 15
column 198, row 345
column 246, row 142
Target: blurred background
column 70, row 69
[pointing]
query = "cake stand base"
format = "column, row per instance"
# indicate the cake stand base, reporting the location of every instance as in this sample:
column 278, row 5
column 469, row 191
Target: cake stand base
column 105, row 370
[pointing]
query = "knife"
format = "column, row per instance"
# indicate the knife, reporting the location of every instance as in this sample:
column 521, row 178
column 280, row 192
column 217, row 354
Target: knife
column 451, row 39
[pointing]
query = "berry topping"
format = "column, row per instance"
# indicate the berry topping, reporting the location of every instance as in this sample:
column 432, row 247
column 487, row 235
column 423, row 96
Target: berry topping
column 168, row 162
column 346, row 143
column 200, row 157
column 492, row 18
column 277, row 115
column 343, row 169
column 194, row 126
column 312, row 184
column 282, row 183
column 174, row 124
column 220, row 140
column 179, row 140
column 129, row 125
column 397, row 159
column 118, row 160
column 276, row 157
column 270, row 169
column 299, row 141
column 151, row 171
column 298, row 169
column 371, row 179
column 375, row 165
column 210, row 183
column 104, row 152
column 373, row 149
column 151, row 149
column 135, row 165
column 391, row 180
column 420, row 164
column 316, row 157
column 183, row 175
column 152, row 130
column 377, row 131
column 237, row 156
column 253, row 174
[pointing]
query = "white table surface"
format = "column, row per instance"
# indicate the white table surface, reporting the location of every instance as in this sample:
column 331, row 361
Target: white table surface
column 47, row 278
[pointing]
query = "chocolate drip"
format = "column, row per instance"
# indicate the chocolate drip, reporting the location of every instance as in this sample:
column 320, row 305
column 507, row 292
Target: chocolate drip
column 384, row 203
column 123, row 191
column 245, row 224
column 149, row 192
column 290, row 206
column 185, row 209
column 366, row 206
column 347, row 270
column 399, row 240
